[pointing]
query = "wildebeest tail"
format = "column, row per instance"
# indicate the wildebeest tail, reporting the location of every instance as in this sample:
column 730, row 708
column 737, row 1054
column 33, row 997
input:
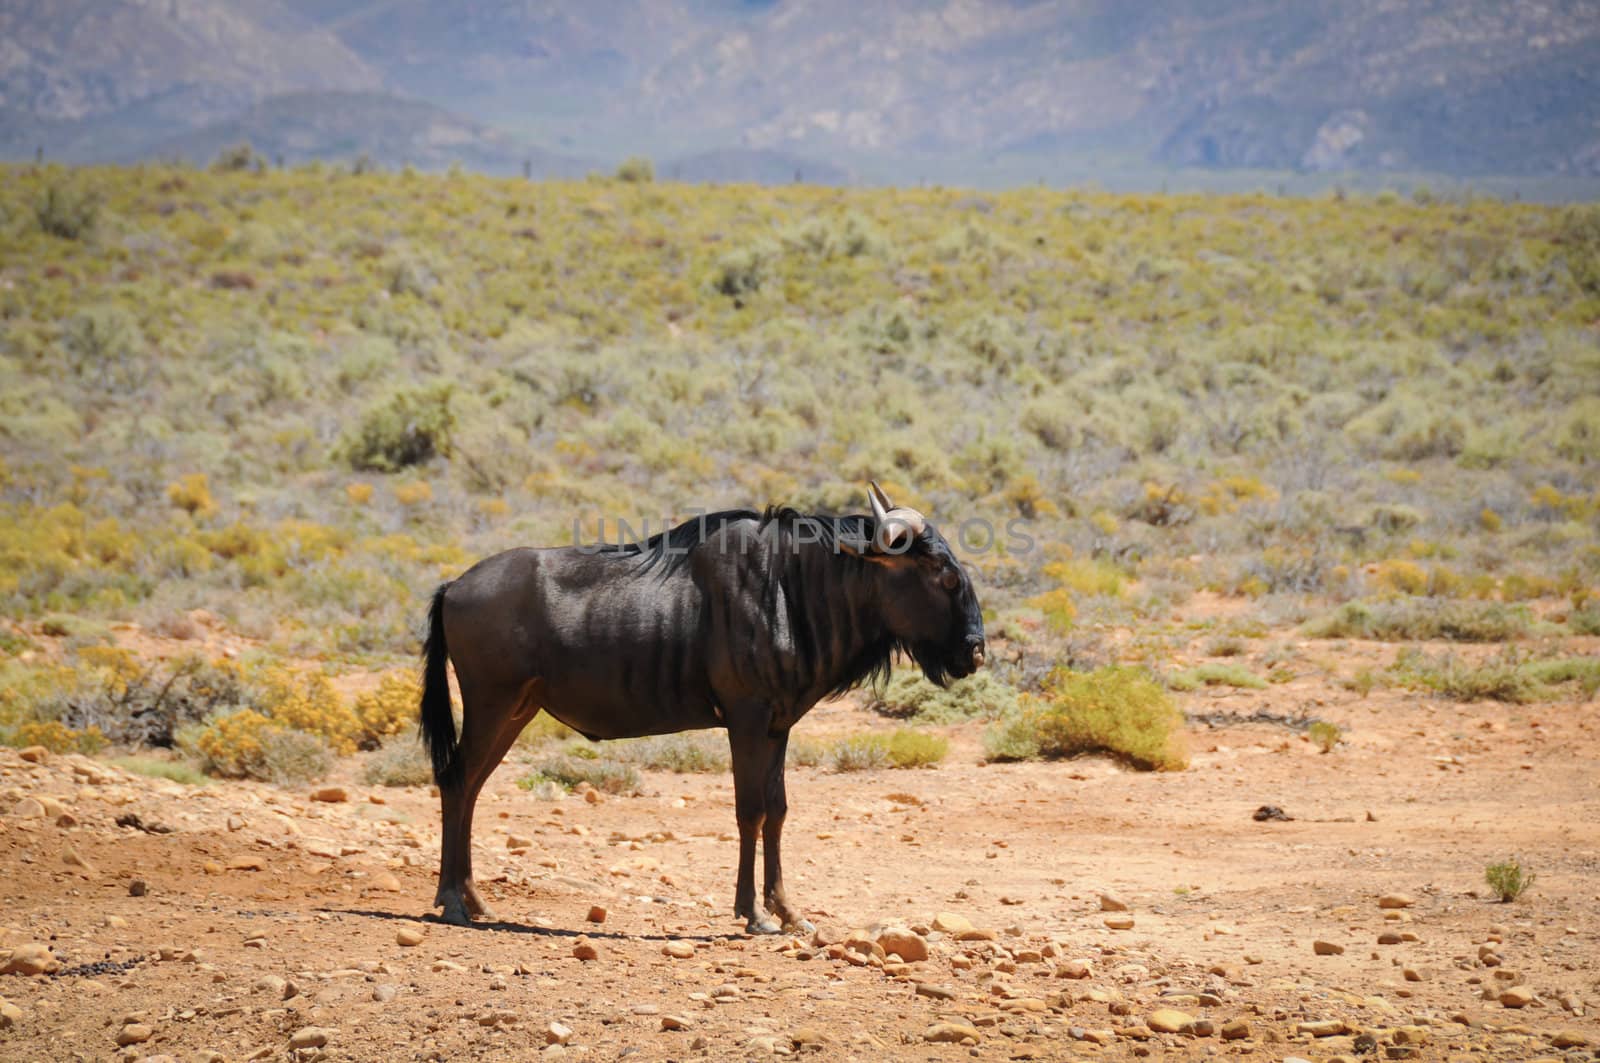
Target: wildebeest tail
column 438, row 725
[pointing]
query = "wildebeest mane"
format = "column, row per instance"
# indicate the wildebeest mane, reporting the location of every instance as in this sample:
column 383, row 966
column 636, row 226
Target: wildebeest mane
column 784, row 529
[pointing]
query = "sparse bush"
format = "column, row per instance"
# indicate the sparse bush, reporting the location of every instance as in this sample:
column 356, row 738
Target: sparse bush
column 1414, row 619
column 860, row 752
column 807, row 752
column 1508, row 879
column 1115, row 710
column 916, row 749
column 178, row 771
column 636, row 169
column 1216, row 673
column 1324, row 735
column 401, row 761
column 981, row 696
column 1584, row 671
column 407, row 427
column 239, row 158
column 294, row 758
column 233, row 745
column 67, row 213
column 681, row 753
column 1500, row 678
column 606, row 776
column 192, row 494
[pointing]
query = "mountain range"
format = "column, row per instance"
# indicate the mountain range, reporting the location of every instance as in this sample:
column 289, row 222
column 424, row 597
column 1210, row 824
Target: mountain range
column 829, row 90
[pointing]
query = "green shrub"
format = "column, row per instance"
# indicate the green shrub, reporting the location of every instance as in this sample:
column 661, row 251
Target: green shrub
column 681, row 753
column 1324, row 735
column 1501, row 678
column 1116, row 710
column 636, row 169
column 916, row 749
column 294, row 758
column 807, row 752
column 178, row 771
column 604, row 775
column 66, row 213
column 1508, row 879
column 407, row 427
column 980, row 696
column 1585, row 621
column 1216, row 673
column 401, row 761
column 1422, row 619
column 860, row 752
column 1584, row 671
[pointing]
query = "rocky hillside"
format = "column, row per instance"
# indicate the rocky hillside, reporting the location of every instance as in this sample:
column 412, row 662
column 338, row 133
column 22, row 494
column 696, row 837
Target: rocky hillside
column 898, row 90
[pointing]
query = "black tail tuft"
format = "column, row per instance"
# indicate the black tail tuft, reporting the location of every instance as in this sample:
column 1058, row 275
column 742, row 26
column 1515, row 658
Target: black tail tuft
column 438, row 725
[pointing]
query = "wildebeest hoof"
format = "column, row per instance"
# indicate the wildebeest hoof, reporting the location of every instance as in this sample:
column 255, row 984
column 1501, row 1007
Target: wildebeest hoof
column 798, row 926
column 455, row 913
column 476, row 905
column 760, row 924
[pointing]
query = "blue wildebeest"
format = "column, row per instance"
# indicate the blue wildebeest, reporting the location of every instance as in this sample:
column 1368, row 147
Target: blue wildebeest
column 740, row 620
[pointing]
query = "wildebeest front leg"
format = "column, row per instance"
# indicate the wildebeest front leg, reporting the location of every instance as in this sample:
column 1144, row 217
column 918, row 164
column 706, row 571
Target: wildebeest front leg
column 752, row 755
column 777, row 807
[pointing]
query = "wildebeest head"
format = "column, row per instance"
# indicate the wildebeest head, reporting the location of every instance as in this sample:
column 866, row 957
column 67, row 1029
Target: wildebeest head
column 928, row 601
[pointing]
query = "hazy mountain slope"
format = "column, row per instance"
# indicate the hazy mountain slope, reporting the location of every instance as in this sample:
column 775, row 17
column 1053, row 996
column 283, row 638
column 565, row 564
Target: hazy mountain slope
column 901, row 88
column 80, row 59
column 386, row 129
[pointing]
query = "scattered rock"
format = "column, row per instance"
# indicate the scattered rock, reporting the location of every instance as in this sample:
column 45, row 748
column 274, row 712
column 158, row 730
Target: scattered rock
column 977, row 933
column 518, row 841
column 386, row 881
column 950, row 923
column 30, row 959
column 1266, row 812
column 10, row 1015
column 310, row 1037
column 1396, row 900
column 951, row 1032
column 34, row 754
column 908, row 946
column 1075, row 969
column 1569, row 1039
column 937, row 992
column 678, row 950
column 807, row 1035
column 1110, row 902
column 28, row 808
column 134, row 1033
column 1169, row 1020
column 72, row 858
column 675, row 1022
column 247, row 863
column 1327, row 948
column 1389, row 937
column 1235, row 1030
column 557, row 1034
column 384, row 993
column 408, row 936
column 333, row 795
column 1518, row 996
column 1119, row 922
column 1323, row 1027
column 138, row 888
column 585, row 951
column 597, row 913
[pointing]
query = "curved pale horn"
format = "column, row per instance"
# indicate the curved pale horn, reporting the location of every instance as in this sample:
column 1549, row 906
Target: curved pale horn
column 894, row 522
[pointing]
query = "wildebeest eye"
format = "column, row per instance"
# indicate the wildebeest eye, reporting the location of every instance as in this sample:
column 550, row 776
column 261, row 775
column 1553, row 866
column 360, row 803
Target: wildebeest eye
column 949, row 580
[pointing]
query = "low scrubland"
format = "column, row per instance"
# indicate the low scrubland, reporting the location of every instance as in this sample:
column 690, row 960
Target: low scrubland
column 290, row 402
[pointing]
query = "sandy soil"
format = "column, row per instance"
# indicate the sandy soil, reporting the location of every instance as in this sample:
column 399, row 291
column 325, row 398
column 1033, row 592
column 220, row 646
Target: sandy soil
column 240, row 915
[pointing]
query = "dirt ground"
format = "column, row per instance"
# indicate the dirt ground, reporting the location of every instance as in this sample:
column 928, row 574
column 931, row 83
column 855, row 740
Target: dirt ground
column 237, row 921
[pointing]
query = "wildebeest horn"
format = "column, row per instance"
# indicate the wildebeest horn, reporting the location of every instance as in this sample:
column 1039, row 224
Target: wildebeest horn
column 894, row 522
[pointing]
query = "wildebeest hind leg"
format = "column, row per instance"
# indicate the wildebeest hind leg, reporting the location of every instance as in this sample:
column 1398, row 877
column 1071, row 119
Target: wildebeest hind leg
column 489, row 726
column 752, row 754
